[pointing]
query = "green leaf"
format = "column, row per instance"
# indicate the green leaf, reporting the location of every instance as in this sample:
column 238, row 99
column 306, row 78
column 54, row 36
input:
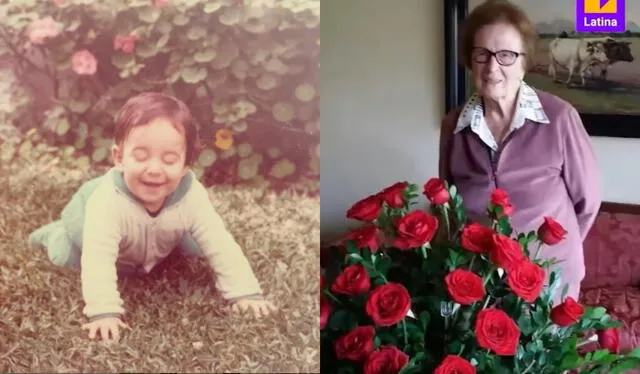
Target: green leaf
column 366, row 255
column 635, row 353
column 376, row 342
column 146, row 50
column 207, row 157
column 205, row 55
column 212, row 6
column 454, row 347
column 180, row 19
column 453, row 191
column 624, row 365
column 565, row 290
column 356, row 258
column 63, row 127
column 570, row 360
column 7, row 151
column 123, row 60
column 414, row 331
column 595, row 312
column 342, row 320
column 539, row 318
column 383, row 264
column 73, row 26
column 100, row 154
column 524, row 322
column 135, row 69
column 425, row 318
column 387, row 336
column 455, row 259
column 79, row 106
column 137, row 3
column 193, row 74
column 346, row 370
column 149, row 14
column 352, row 248
column 163, row 41
column 504, row 227
column 196, row 32
column 600, row 354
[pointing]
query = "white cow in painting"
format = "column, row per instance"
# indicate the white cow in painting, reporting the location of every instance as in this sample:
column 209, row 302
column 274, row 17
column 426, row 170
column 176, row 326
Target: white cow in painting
column 575, row 54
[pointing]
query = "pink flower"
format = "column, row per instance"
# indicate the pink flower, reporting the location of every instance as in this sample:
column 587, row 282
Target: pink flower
column 84, row 63
column 160, row 3
column 125, row 43
column 43, row 28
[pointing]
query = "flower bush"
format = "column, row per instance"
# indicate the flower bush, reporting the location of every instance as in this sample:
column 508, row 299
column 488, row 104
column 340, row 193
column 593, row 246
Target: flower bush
column 248, row 70
column 429, row 291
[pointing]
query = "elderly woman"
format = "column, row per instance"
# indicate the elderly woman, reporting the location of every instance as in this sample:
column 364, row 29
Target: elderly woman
column 527, row 142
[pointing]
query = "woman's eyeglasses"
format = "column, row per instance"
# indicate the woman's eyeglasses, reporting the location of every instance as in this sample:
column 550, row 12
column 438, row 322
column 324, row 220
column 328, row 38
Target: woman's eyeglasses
column 503, row 57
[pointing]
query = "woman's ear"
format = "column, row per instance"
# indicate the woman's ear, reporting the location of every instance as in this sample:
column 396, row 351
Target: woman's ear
column 116, row 155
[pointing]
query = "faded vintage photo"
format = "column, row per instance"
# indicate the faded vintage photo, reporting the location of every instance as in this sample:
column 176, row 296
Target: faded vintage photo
column 598, row 73
column 159, row 176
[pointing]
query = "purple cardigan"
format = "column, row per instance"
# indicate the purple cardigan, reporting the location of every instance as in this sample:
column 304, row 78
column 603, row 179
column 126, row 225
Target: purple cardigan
column 547, row 170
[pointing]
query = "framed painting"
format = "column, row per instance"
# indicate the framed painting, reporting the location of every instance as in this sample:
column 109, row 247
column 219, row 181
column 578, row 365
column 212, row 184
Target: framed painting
column 609, row 98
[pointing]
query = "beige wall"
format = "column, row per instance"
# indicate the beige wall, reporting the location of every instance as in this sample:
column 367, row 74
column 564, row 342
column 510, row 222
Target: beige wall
column 382, row 98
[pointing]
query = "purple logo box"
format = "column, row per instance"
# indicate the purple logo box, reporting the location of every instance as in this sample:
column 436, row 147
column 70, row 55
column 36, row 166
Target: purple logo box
column 600, row 20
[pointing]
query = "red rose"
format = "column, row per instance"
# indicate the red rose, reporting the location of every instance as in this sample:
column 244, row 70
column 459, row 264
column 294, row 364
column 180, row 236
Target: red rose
column 388, row 304
column 366, row 209
column 325, row 311
column 388, row 359
column 357, row 344
column 455, row 365
column 464, row 287
column 610, row 339
column 567, row 313
column 477, row 238
column 496, row 331
column 500, row 198
column 365, row 237
column 126, row 43
column 436, row 192
column 526, row 280
column 394, row 195
column 353, row 280
column 505, row 251
column 321, row 282
column 551, row 232
column 415, row 229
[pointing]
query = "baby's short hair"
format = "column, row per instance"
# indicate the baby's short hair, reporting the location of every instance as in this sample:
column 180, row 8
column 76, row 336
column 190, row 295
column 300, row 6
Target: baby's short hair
column 147, row 106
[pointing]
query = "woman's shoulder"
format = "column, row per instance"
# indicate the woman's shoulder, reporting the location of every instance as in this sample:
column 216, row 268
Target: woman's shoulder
column 451, row 118
column 553, row 105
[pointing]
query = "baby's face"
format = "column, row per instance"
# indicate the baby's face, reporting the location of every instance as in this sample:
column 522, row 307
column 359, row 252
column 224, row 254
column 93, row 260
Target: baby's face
column 152, row 160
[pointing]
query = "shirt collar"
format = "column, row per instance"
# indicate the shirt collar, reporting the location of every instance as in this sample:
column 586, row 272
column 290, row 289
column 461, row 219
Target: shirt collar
column 173, row 198
column 528, row 107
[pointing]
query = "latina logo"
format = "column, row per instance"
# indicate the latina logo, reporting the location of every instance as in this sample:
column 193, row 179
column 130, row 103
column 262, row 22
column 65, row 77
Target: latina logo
column 600, row 16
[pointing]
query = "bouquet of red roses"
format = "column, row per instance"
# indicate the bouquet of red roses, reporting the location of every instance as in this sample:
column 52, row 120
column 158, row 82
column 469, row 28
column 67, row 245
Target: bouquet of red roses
column 432, row 292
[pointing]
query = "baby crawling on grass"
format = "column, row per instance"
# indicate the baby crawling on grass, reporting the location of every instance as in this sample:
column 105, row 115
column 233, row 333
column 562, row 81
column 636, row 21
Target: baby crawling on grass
column 145, row 207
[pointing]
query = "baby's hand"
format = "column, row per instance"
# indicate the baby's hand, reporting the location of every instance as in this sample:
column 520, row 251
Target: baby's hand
column 106, row 326
column 260, row 307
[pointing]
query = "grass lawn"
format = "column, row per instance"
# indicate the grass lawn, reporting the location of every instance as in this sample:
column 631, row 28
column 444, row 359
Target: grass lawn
column 178, row 321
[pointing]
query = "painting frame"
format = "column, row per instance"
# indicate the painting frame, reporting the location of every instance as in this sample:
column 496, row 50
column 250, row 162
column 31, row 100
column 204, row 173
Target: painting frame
column 596, row 124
